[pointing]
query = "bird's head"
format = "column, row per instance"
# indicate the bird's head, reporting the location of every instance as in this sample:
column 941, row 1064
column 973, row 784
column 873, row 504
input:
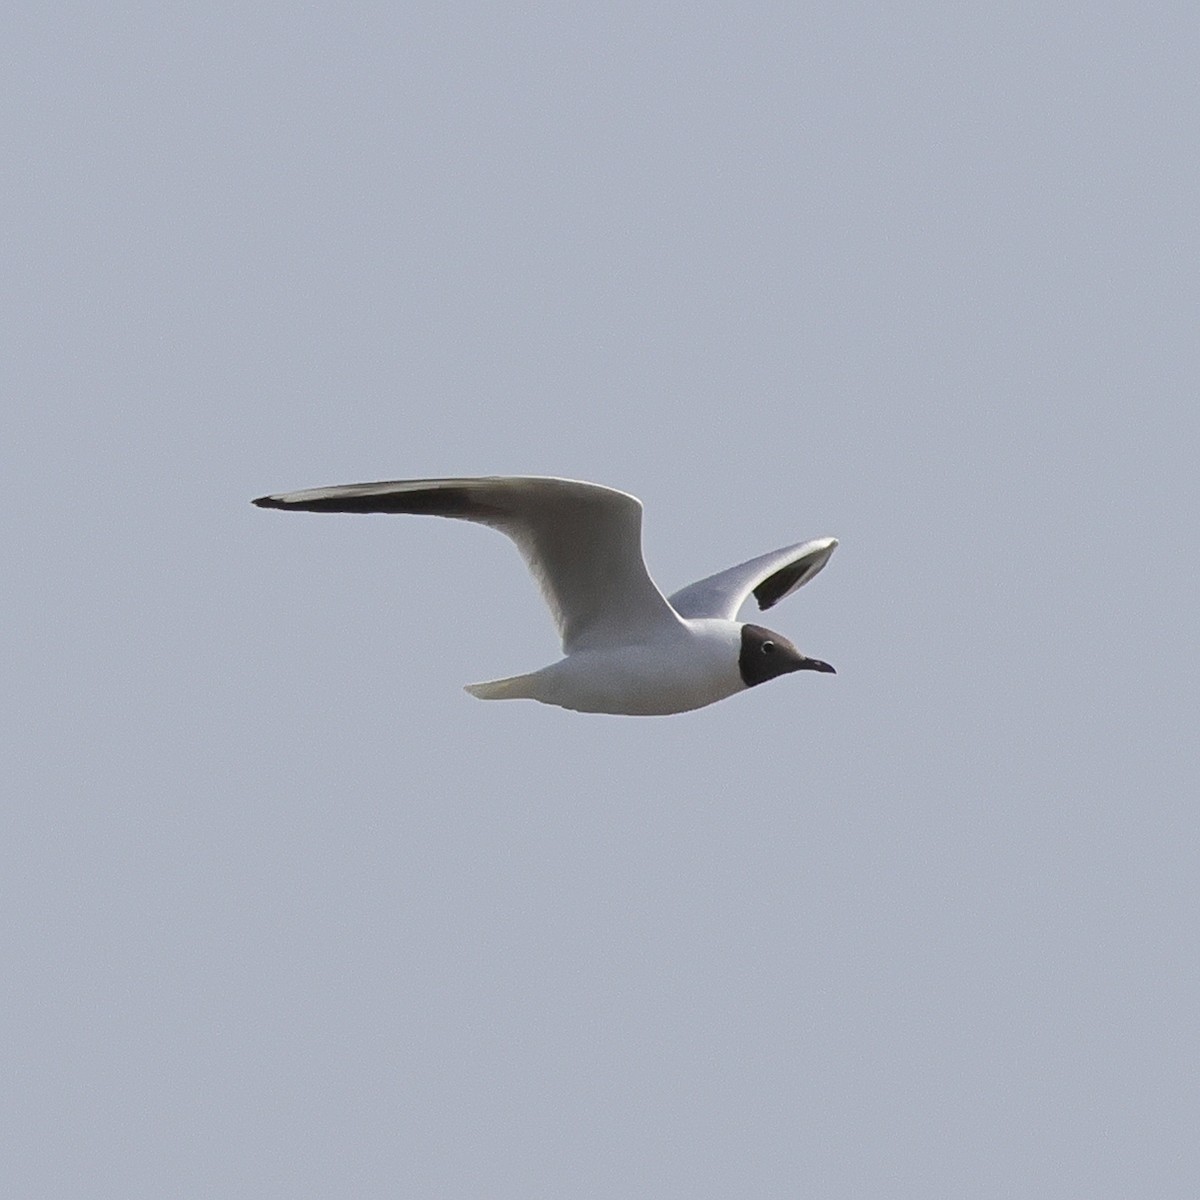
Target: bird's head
column 765, row 655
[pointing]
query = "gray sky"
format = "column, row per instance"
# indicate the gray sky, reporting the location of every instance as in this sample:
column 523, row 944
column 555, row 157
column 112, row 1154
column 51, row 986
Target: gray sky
column 287, row 914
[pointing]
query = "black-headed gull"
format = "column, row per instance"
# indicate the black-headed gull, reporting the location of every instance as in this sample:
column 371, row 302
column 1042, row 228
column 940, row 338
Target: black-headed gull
column 627, row 649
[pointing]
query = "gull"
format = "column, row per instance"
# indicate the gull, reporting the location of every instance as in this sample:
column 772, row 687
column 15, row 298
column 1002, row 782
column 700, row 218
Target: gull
column 627, row 649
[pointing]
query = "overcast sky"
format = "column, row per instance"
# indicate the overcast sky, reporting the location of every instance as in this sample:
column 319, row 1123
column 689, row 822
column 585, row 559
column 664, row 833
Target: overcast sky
column 287, row 914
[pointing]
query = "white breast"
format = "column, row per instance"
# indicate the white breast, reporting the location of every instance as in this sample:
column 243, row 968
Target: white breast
column 697, row 668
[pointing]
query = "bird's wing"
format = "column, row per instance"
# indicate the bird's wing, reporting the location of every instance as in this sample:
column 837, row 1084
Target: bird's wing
column 582, row 543
column 770, row 577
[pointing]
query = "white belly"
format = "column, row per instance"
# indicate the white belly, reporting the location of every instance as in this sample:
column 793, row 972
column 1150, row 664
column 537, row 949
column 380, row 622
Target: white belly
column 697, row 669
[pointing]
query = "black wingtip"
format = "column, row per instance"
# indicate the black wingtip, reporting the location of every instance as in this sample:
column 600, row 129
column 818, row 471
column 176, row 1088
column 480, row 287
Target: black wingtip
column 268, row 502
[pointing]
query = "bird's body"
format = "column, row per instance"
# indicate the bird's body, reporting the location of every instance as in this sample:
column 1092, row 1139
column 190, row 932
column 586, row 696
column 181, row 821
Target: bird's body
column 628, row 650
column 694, row 668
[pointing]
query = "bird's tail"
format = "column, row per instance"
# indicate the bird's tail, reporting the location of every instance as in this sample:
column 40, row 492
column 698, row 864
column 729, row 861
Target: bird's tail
column 516, row 687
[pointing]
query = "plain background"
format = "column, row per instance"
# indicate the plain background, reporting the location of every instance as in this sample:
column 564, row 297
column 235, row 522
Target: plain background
column 287, row 914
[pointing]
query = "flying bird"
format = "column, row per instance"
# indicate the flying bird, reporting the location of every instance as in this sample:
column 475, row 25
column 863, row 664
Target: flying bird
column 626, row 648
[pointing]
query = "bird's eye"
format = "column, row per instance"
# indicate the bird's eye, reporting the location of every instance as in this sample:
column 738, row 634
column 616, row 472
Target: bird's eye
column 768, row 647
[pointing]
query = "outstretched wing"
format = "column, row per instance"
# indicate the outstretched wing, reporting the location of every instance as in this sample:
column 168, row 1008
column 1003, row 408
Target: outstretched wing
column 582, row 543
column 770, row 577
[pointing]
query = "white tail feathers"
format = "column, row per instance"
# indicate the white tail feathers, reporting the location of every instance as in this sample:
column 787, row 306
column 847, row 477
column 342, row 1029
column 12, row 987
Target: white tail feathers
column 516, row 687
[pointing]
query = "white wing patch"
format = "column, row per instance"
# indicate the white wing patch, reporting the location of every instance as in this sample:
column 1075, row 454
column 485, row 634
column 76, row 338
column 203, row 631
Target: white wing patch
column 770, row 577
column 582, row 544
